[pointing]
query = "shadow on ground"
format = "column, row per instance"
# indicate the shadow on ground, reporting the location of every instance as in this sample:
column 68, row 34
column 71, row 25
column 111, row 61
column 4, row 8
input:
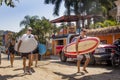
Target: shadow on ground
column 5, row 67
column 113, row 75
column 69, row 76
column 6, row 77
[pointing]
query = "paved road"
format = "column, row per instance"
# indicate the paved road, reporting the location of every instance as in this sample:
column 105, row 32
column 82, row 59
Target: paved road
column 53, row 69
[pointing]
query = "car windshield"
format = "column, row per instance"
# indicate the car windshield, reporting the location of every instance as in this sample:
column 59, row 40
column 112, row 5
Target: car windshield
column 74, row 39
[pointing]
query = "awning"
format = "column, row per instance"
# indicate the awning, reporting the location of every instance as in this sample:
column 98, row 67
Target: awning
column 70, row 18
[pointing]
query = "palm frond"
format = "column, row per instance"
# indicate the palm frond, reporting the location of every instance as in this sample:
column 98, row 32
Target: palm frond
column 57, row 7
column 53, row 1
column 46, row 1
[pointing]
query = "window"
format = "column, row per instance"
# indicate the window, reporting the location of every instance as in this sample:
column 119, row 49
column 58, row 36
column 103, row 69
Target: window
column 60, row 42
column 103, row 42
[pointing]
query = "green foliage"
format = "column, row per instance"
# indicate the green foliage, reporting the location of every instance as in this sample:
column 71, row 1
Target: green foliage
column 106, row 23
column 99, row 25
column 29, row 21
column 42, row 27
column 62, row 26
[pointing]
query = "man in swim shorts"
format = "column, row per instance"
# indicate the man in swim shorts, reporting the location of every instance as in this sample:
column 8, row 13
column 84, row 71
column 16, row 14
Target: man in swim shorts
column 25, row 55
column 80, row 56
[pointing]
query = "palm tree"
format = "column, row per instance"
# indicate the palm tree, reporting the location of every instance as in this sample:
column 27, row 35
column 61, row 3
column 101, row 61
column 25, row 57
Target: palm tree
column 83, row 6
column 46, row 28
column 29, row 21
column 9, row 3
column 41, row 27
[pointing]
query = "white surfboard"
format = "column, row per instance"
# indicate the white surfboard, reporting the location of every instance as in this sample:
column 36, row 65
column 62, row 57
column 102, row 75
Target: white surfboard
column 85, row 45
column 27, row 45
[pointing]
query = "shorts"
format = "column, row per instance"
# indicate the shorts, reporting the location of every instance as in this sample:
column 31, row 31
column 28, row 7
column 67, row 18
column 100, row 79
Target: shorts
column 80, row 56
column 25, row 54
column 36, row 51
column 11, row 50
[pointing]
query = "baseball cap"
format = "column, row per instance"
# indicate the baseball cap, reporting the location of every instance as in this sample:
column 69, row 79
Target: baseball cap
column 84, row 30
column 29, row 28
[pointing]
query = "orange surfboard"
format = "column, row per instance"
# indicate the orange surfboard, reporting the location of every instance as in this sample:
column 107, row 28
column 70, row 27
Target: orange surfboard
column 85, row 45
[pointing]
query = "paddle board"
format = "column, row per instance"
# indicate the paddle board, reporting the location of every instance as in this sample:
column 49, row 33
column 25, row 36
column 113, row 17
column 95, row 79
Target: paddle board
column 42, row 49
column 27, row 45
column 85, row 45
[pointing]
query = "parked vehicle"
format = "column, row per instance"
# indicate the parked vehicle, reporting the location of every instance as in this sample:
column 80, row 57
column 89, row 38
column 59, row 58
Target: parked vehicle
column 103, row 53
column 115, row 55
column 63, row 57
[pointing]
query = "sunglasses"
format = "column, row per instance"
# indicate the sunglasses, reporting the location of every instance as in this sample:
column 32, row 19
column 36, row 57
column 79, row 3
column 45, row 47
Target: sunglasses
column 29, row 30
column 84, row 31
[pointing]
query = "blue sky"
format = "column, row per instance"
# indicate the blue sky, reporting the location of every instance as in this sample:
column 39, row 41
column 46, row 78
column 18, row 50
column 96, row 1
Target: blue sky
column 10, row 17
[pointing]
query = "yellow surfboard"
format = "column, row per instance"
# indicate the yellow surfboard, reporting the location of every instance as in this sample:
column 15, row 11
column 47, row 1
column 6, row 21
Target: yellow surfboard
column 85, row 45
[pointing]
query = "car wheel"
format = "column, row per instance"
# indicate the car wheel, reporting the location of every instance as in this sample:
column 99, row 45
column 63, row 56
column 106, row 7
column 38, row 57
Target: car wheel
column 92, row 59
column 115, row 61
column 108, row 62
column 63, row 58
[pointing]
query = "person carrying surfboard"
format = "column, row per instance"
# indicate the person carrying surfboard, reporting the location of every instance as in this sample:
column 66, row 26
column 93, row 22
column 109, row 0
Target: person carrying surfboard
column 11, row 50
column 80, row 56
column 25, row 55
